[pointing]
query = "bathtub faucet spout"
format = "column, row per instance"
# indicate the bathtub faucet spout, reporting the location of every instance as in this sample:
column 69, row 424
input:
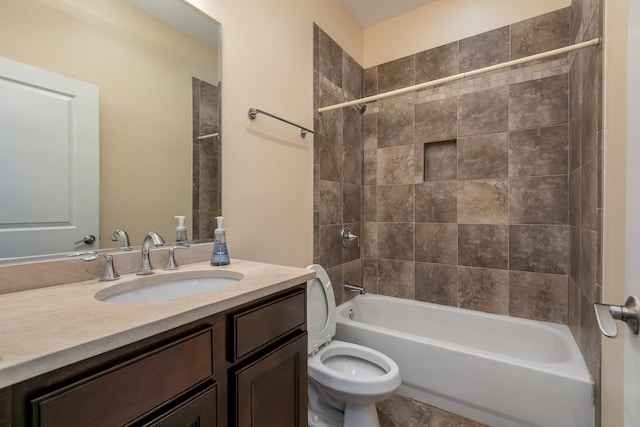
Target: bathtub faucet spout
column 355, row 289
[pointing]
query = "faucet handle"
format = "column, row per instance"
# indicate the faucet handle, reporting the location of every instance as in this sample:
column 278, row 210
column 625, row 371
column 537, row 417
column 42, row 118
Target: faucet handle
column 110, row 272
column 171, row 262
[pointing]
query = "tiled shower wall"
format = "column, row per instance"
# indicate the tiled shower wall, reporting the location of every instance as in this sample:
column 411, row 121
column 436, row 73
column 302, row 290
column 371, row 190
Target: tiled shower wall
column 337, row 161
column 207, row 159
column 465, row 196
column 585, row 185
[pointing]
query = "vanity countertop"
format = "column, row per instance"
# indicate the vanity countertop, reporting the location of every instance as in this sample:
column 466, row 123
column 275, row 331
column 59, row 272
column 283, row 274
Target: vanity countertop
column 48, row 328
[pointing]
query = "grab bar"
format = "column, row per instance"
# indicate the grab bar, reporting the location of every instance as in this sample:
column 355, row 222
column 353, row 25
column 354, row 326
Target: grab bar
column 253, row 112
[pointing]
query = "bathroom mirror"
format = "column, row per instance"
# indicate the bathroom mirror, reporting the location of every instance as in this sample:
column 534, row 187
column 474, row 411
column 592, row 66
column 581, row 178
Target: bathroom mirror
column 156, row 64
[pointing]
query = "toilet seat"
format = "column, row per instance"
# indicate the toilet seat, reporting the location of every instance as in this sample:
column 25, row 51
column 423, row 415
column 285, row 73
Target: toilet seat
column 349, row 377
column 321, row 327
column 321, row 310
column 366, row 386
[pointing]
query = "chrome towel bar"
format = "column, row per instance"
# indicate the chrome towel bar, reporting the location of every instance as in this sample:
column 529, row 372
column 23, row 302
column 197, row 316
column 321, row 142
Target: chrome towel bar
column 253, row 112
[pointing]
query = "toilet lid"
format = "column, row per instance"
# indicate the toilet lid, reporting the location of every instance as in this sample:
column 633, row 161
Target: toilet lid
column 321, row 309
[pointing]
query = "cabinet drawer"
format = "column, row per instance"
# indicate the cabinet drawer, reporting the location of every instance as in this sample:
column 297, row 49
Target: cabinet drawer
column 120, row 394
column 254, row 328
column 199, row 410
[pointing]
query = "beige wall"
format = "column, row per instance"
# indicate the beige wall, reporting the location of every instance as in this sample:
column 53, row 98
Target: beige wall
column 267, row 171
column 615, row 140
column 444, row 21
column 143, row 69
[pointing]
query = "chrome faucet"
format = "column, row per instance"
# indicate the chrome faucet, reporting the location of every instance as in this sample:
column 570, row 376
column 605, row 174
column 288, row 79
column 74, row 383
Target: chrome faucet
column 355, row 289
column 158, row 241
column 122, row 235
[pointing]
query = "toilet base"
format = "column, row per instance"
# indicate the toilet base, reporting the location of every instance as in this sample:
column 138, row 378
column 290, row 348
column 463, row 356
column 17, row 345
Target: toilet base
column 361, row 416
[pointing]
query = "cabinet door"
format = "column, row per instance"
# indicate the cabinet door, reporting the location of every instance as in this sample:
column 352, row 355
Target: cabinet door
column 199, row 411
column 272, row 391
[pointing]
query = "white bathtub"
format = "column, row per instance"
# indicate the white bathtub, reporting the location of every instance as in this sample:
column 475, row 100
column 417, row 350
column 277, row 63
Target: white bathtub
column 498, row 370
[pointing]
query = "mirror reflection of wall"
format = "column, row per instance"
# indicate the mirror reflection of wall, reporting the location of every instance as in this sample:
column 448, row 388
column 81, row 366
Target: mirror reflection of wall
column 144, row 69
column 207, row 158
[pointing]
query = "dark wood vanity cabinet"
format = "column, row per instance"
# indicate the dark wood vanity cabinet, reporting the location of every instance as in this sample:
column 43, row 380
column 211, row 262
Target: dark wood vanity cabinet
column 244, row 367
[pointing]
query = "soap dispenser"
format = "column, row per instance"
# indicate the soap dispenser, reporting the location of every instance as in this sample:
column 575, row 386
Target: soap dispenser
column 181, row 230
column 220, row 255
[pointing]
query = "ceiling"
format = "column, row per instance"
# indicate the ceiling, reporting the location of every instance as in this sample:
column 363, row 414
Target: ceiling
column 370, row 12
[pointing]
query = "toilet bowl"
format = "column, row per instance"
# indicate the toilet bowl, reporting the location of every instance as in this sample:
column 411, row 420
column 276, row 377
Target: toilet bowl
column 345, row 380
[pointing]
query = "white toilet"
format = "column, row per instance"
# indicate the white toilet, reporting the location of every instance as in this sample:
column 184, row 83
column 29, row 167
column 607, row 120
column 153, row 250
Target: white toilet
column 345, row 380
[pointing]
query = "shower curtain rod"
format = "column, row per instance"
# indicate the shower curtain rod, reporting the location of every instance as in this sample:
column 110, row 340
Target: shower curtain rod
column 460, row 76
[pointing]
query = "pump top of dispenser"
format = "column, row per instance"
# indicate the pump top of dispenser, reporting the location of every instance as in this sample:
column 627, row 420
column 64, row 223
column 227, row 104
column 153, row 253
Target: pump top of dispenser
column 181, row 230
column 219, row 231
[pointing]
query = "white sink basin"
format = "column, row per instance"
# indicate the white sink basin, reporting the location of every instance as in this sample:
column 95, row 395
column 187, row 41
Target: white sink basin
column 166, row 287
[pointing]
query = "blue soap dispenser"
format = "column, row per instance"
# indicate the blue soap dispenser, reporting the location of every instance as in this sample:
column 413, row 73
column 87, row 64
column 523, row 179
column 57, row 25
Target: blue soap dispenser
column 220, row 255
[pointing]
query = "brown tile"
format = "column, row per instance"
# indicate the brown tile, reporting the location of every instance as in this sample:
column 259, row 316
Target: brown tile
column 371, row 81
column 395, row 240
column 352, row 165
column 370, row 132
column 370, row 275
column 396, row 278
column 437, row 283
column 395, row 127
column 440, row 161
column 353, row 252
column 574, row 198
column 352, row 77
column 351, row 273
column 330, row 245
column 575, row 110
column 353, row 127
column 573, row 320
column 395, row 165
column 436, row 201
column 590, row 336
column 330, row 206
column 539, row 296
column 351, row 203
column 539, row 200
column 482, row 157
column 316, row 47
column 436, row 243
column 482, row 50
column 483, row 289
column 483, row 112
column 539, row 248
column 330, row 122
column 370, row 167
column 574, row 254
column 588, row 260
column 540, row 34
column 433, row 64
column 369, row 203
column 482, row 201
column 537, row 152
column 335, row 276
column 400, row 411
column 436, row 120
column 483, row 245
column 589, row 195
column 330, row 58
column 395, row 203
column 370, row 240
column 330, row 158
column 396, row 74
column 591, row 103
column 316, row 234
column 539, row 103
